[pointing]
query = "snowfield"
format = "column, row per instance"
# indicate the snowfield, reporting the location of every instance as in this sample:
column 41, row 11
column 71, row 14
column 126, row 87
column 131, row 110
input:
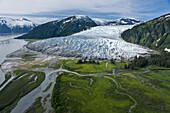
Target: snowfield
column 100, row 42
column 16, row 22
column 99, row 21
column 112, row 32
column 120, row 21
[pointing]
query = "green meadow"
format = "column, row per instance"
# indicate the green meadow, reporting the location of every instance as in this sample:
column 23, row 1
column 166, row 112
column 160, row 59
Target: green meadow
column 116, row 90
column 149, row 90
column 76, row 94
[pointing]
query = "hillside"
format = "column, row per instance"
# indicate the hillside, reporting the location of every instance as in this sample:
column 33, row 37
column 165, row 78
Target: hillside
column 61, row 27
column 153, row 34
column 9, row 25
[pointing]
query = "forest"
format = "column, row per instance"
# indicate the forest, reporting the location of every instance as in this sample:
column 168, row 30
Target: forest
column 161, row 60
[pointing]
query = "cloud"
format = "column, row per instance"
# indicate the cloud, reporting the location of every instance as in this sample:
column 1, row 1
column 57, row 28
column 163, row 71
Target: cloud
column 135, row 8
column 37, row 6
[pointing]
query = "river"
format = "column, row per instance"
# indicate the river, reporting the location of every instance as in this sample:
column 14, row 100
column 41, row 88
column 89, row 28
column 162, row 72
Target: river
column 8, row 45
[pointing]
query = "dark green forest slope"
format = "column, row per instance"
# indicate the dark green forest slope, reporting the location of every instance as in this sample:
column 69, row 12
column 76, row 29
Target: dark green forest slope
column 153, row 34
column 62, row 27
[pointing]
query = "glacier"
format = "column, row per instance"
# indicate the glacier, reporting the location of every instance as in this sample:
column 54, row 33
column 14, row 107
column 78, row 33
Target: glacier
column 112, row 32
column 102, row 43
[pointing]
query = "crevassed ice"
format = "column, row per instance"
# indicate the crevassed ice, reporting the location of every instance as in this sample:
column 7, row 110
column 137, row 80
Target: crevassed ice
column 81, row 46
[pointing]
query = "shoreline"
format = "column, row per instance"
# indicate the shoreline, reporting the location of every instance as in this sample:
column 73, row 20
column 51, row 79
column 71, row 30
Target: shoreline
column 7, row 48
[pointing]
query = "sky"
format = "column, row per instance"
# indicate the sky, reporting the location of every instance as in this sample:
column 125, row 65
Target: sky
column 108, row 9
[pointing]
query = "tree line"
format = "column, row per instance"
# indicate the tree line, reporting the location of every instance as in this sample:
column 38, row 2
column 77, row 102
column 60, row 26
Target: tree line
column 85, row 61
column 161, row 60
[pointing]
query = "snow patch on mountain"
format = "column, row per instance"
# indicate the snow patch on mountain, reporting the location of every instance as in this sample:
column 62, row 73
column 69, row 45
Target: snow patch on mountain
column 81, row 16
column 166, row 49
column 67, row 20
column 101, row 22
column 167, row 16
column 75, row 18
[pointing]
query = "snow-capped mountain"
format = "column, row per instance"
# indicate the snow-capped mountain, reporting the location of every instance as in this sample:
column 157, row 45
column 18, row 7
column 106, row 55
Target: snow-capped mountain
column 101, row 22
column 121, row 21
column 125, row 21
column 73, row 24
column 61, row 27
column 10, row 25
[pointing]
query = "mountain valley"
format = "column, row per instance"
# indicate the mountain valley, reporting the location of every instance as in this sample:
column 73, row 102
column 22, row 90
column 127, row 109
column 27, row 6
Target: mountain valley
column 80, row 64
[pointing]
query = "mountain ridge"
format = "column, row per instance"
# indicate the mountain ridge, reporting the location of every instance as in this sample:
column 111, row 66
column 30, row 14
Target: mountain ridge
column 120, row 21
column 10, row 25
column 154, row 34
column 71, row 25
column 61, row 27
